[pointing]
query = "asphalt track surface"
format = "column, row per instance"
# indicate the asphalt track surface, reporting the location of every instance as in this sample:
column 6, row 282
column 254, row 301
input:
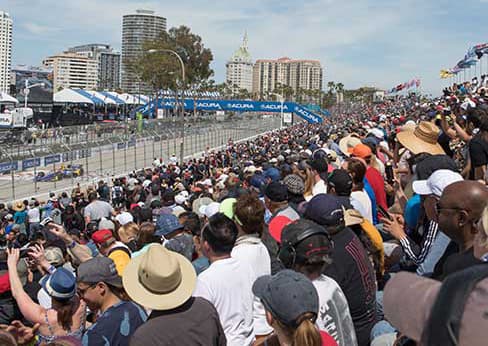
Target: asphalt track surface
column 110, row 161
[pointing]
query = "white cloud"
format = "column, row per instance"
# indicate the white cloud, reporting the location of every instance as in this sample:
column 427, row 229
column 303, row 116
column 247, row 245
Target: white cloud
column 358, row 41
column 39, row 29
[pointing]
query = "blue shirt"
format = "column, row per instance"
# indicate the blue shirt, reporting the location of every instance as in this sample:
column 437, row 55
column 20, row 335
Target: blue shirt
column 115, row 326
column 412, row 211
column 20, row 217
column 200, row 264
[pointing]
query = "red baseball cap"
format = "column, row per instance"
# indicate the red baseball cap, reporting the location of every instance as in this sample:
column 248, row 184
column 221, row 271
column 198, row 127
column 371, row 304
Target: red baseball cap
column 101, row 236
column 276, row 226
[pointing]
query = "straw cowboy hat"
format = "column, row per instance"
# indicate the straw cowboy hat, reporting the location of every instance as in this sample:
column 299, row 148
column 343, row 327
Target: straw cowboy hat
column 159, row 279
column 347, row 143
column 422, row 140
column 18, row 206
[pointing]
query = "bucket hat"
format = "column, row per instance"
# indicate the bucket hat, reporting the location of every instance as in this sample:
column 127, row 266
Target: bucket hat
column 156, row 286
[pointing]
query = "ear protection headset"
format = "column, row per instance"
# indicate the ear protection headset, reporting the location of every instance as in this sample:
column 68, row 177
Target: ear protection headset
column 288, row 254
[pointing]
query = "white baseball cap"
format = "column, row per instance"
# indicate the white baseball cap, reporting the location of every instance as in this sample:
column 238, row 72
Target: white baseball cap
column 181, row 198
column 436, row 183
column 124, row 218
column 210, row 209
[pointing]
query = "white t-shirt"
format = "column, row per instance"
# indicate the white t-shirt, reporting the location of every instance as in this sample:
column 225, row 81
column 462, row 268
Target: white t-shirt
column 361, row 202
column 227, row 284
column 334, row 316
column 34, row 215
column 250, row 249
column 319, row 187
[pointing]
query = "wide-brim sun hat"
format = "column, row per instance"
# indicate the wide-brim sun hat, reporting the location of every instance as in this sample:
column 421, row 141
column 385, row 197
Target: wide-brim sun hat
column 156, row 286
column 347, row 143
column 18, row 206
column 421, row 140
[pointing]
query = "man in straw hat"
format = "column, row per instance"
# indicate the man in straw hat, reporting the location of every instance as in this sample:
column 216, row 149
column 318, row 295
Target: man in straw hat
column 20, row 216
column 177, row 318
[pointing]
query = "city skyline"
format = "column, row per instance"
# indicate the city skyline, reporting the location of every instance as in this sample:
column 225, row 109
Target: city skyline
column 357, row 42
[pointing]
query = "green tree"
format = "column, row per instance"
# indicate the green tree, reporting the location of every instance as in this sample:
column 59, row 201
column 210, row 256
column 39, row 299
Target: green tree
column 162, row 70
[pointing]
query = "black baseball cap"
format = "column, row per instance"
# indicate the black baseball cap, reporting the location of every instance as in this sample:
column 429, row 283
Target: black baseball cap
column 287, row 295
column 341, row 181
column 276, row 192
column 325, row 209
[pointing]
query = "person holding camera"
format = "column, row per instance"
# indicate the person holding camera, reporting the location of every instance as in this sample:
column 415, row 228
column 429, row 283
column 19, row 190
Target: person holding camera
column 67, row 315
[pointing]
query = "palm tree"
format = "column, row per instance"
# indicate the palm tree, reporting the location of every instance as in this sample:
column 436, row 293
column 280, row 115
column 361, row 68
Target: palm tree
column 331, row 86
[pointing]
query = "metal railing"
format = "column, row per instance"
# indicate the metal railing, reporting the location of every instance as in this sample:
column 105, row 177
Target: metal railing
column 62, row 165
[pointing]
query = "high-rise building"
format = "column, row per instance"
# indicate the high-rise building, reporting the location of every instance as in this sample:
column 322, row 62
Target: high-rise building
column 5, row 50
column 136, row 29
column 108, row 63
column 239, row 68
column 72, row 70
column 270, row 75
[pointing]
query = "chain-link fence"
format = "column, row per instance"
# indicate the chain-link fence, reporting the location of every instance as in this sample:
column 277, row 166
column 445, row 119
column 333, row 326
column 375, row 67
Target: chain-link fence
column 91, row 154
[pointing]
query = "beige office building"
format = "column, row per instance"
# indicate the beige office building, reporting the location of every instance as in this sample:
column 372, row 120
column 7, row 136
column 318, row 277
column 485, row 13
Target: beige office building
column 268, row 75
column 71, row 70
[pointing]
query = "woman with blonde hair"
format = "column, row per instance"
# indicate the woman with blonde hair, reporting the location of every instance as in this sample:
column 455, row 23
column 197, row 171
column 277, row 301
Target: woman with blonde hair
column 291, row 303
column 67, row 315
column 128, row 235
column 304, row 170
column 481, row 238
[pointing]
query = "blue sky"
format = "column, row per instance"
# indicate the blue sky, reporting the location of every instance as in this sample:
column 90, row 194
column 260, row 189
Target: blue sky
column 359, row 42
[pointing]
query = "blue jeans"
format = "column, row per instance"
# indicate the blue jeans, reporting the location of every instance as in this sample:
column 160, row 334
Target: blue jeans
column 381, row 328
column 437, row 249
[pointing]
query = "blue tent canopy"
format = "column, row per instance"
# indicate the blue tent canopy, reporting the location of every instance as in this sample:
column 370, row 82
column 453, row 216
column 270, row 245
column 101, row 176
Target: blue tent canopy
column 92, row 97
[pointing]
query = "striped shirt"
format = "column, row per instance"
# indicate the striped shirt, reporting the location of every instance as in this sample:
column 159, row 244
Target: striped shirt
column 418, row 253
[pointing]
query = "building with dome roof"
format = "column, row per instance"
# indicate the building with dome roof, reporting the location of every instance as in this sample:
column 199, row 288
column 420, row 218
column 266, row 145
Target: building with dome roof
column 240, row 68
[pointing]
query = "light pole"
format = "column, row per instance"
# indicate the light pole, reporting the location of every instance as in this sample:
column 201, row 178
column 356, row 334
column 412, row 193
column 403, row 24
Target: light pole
column 27, row 90
column 282, row 101
column 182, row 130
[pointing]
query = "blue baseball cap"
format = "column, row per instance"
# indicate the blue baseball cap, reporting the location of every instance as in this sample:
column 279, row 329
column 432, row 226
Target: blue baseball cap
column 326, row 209
column 166, row 224
column 273, row 174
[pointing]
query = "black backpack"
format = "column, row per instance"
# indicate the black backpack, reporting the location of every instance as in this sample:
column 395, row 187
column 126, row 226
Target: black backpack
column 444, row 323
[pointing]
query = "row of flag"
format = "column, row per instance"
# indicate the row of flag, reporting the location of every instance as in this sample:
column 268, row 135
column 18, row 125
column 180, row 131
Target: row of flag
column 470, row 59
column 405, row 86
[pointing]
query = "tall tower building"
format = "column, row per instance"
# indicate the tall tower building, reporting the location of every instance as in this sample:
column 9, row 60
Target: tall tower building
column 239, row 68
column 136, row 29
column 5, row 50
column 108, row 63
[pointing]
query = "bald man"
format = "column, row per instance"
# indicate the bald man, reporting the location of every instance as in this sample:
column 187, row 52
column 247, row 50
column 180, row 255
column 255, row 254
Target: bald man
column 458, row 211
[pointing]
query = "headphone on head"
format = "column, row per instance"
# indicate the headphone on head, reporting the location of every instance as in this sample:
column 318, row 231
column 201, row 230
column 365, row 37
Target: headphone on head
column 288, row 254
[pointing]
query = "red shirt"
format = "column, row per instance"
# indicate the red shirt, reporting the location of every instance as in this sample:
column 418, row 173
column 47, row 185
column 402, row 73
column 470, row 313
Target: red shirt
column 327, row 340
column 4, row 283
column 374, row 178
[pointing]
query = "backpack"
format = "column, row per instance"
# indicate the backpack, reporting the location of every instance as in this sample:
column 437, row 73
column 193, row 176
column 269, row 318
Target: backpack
column 445, row 318
column 117, row 193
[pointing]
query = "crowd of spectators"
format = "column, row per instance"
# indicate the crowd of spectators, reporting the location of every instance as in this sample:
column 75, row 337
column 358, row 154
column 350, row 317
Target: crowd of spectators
column 368, row 229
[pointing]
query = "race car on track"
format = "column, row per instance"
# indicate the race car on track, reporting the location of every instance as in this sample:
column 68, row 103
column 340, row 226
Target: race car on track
column 63, row 172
